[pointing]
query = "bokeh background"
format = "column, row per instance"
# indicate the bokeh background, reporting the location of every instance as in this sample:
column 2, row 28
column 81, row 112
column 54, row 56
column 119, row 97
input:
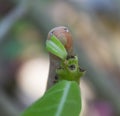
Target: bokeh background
column 24, row 61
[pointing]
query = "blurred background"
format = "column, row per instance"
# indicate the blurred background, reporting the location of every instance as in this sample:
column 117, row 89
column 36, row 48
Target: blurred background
column 24, row 61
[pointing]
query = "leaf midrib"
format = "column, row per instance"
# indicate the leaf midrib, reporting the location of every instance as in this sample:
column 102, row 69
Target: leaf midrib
column 63, row 99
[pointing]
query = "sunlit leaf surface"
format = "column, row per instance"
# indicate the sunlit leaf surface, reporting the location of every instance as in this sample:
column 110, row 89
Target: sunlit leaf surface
column 63, row 99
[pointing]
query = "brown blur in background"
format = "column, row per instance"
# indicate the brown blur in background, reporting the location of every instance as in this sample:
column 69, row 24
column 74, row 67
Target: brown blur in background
column 24, row 61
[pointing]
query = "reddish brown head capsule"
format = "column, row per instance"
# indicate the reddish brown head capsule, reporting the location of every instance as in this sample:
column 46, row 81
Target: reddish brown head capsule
column 63, row 34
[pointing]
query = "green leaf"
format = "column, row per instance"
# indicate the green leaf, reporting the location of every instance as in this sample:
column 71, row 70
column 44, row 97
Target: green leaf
column 56, row 47
column 63, row 99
